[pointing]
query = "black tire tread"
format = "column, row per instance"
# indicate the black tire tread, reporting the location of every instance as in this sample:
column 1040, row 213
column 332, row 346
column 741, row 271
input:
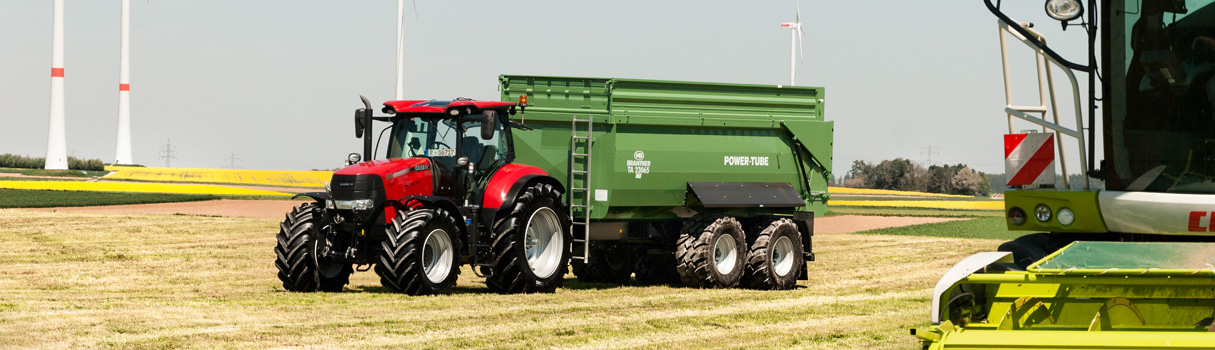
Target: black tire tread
column 508, row 276
column 759, row 274
column 399, row 267
column 694, row 251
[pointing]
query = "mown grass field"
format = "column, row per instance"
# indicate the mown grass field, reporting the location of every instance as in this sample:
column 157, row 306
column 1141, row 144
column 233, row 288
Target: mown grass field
column 142, row 281
column 10, row 198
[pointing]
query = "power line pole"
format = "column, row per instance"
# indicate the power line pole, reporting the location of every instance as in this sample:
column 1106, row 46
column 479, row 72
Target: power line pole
column 232, row 159
column 167, row 153
column 929, row 152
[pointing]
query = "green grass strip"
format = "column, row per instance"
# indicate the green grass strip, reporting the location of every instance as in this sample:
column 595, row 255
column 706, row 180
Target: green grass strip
column 983, row 228
column 13, row 198
column 924, row 212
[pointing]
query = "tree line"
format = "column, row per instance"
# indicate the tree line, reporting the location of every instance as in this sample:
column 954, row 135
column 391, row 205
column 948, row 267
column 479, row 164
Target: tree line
column 904, row 175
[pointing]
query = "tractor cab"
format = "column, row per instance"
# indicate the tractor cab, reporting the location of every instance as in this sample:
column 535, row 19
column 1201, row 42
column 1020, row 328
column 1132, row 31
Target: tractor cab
column 464, row 140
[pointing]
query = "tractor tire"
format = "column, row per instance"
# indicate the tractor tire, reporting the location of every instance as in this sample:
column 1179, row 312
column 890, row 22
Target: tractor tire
column 657, row 269
column 531, row 244
column 775, row 259
column 420, row 255
column 1027, row 249
column 295, row 254
column 711, row 252
column 603, row 269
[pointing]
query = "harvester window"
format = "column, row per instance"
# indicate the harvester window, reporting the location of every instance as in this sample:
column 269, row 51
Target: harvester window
column 1165, row 66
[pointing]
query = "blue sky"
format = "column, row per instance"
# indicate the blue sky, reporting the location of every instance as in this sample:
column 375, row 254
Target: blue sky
column 276, row 81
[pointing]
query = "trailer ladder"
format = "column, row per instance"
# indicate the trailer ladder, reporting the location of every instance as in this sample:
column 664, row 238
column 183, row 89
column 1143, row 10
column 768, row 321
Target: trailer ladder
column 579, row 197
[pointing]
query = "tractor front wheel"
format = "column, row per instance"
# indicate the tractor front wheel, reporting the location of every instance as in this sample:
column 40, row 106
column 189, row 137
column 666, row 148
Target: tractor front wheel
column 295, row 254
column 419, row 255
column 531, row 245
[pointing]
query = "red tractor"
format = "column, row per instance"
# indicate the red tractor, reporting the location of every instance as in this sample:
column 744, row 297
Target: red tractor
column 447, row 194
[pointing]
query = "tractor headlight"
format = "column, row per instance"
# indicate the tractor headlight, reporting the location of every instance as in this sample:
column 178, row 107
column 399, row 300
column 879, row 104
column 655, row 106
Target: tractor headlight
column 357, row 204
column 1042, row 213
column 1064, row 10
column 353, row 158
column 1066, row 217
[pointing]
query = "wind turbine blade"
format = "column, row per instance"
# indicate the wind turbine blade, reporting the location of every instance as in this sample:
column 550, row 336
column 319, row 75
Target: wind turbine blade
column 801, row 45
column 799, row 12
column 415, row 9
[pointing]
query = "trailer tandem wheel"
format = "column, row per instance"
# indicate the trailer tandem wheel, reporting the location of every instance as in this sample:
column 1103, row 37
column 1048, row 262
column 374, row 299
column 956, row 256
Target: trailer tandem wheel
column 711, row 251
column 775, row 258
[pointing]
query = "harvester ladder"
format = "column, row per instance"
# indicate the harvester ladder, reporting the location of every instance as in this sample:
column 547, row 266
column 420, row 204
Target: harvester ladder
column 579, row 196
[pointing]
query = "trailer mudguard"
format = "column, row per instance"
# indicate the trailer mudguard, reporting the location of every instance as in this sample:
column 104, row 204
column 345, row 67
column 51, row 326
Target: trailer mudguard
column 746, row 194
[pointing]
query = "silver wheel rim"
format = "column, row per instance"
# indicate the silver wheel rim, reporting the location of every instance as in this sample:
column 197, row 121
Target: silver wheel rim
column 542, row 242
column 726, row 254
column 437, row 256
column 782, row 257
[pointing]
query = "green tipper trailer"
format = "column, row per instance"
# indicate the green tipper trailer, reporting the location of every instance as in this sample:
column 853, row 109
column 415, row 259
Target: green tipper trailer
column 709, row 183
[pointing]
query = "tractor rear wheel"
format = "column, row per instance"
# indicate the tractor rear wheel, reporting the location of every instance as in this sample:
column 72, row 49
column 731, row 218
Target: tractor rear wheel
column 775, row 258
column 604, row 267
column 711, row 252
column 419, row 255
column 295, row 254
column 531, row 245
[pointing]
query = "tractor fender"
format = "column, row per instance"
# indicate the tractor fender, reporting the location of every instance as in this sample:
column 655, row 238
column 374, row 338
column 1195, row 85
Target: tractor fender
column 408, row 202
column 519, row 186
column 507, row 182
column 319, row 197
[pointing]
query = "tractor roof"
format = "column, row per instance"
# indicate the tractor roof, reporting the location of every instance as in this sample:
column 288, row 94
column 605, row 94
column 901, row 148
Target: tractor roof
column 436, row 108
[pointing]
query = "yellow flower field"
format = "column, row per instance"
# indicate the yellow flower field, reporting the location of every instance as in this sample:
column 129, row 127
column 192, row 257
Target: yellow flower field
column 867, row 191
column 233, row 176
column 134, row 187
column 970, row 205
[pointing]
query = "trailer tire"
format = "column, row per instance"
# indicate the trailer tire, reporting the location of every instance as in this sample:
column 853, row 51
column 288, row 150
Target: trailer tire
column 657, row 269
column 775, row 258
column 711, row 252
column 295, row 254
column 602, row 270
column 420, row 254
column 531, row 245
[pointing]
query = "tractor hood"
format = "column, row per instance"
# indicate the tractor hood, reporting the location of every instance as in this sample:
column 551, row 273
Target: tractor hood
column 387, row 169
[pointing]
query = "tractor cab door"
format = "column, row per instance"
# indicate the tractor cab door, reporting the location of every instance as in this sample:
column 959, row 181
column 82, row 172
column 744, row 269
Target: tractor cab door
column 484, row 155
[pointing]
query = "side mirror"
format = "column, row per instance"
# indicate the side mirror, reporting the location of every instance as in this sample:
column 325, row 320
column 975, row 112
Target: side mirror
column 489, row 124
column 358, row 123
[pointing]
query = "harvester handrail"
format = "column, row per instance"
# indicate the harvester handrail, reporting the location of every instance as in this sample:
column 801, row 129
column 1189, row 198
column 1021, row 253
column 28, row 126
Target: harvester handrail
column 1046, row 91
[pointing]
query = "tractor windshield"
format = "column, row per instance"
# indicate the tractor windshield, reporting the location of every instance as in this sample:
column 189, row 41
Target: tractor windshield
column 1160, row 125
column 438, row 139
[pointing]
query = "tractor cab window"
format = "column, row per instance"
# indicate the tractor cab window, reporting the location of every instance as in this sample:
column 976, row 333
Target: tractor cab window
column 487, row 154
column 1162, row 82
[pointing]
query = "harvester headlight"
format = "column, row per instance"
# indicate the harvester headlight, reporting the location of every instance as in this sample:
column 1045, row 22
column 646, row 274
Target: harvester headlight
column 1064, row 10
column 1016, row 216
column 1066, row 216
column 353, row 158
column 1042, row 213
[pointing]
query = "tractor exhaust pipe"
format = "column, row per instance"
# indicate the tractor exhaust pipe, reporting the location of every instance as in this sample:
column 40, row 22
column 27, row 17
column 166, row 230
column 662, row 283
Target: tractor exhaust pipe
column 362, row 122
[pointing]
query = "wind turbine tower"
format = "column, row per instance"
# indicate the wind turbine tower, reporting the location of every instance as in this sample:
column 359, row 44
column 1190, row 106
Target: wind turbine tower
column 400, row 49
column 795, row 41
column 123, row 152
column 56, row 141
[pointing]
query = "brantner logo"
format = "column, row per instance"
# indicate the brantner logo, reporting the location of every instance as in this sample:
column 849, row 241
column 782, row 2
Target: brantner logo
column 1196, row 221
column 639, row 155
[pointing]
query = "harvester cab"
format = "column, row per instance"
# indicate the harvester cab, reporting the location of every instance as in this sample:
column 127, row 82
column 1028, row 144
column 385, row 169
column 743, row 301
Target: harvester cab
column 1124, row 266
column 444, row 189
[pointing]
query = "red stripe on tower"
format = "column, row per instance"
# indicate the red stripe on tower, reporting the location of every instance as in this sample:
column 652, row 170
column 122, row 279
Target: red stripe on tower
column 56, row 72
column 124, row 87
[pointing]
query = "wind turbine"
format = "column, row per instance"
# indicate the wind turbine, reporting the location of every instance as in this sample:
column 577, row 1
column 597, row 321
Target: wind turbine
column 795, row 41
column 56, row 143
column 401, row 49
column 122, row 153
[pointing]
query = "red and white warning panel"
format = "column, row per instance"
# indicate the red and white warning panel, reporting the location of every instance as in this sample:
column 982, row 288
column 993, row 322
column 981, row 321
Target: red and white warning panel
column 1029, row 159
